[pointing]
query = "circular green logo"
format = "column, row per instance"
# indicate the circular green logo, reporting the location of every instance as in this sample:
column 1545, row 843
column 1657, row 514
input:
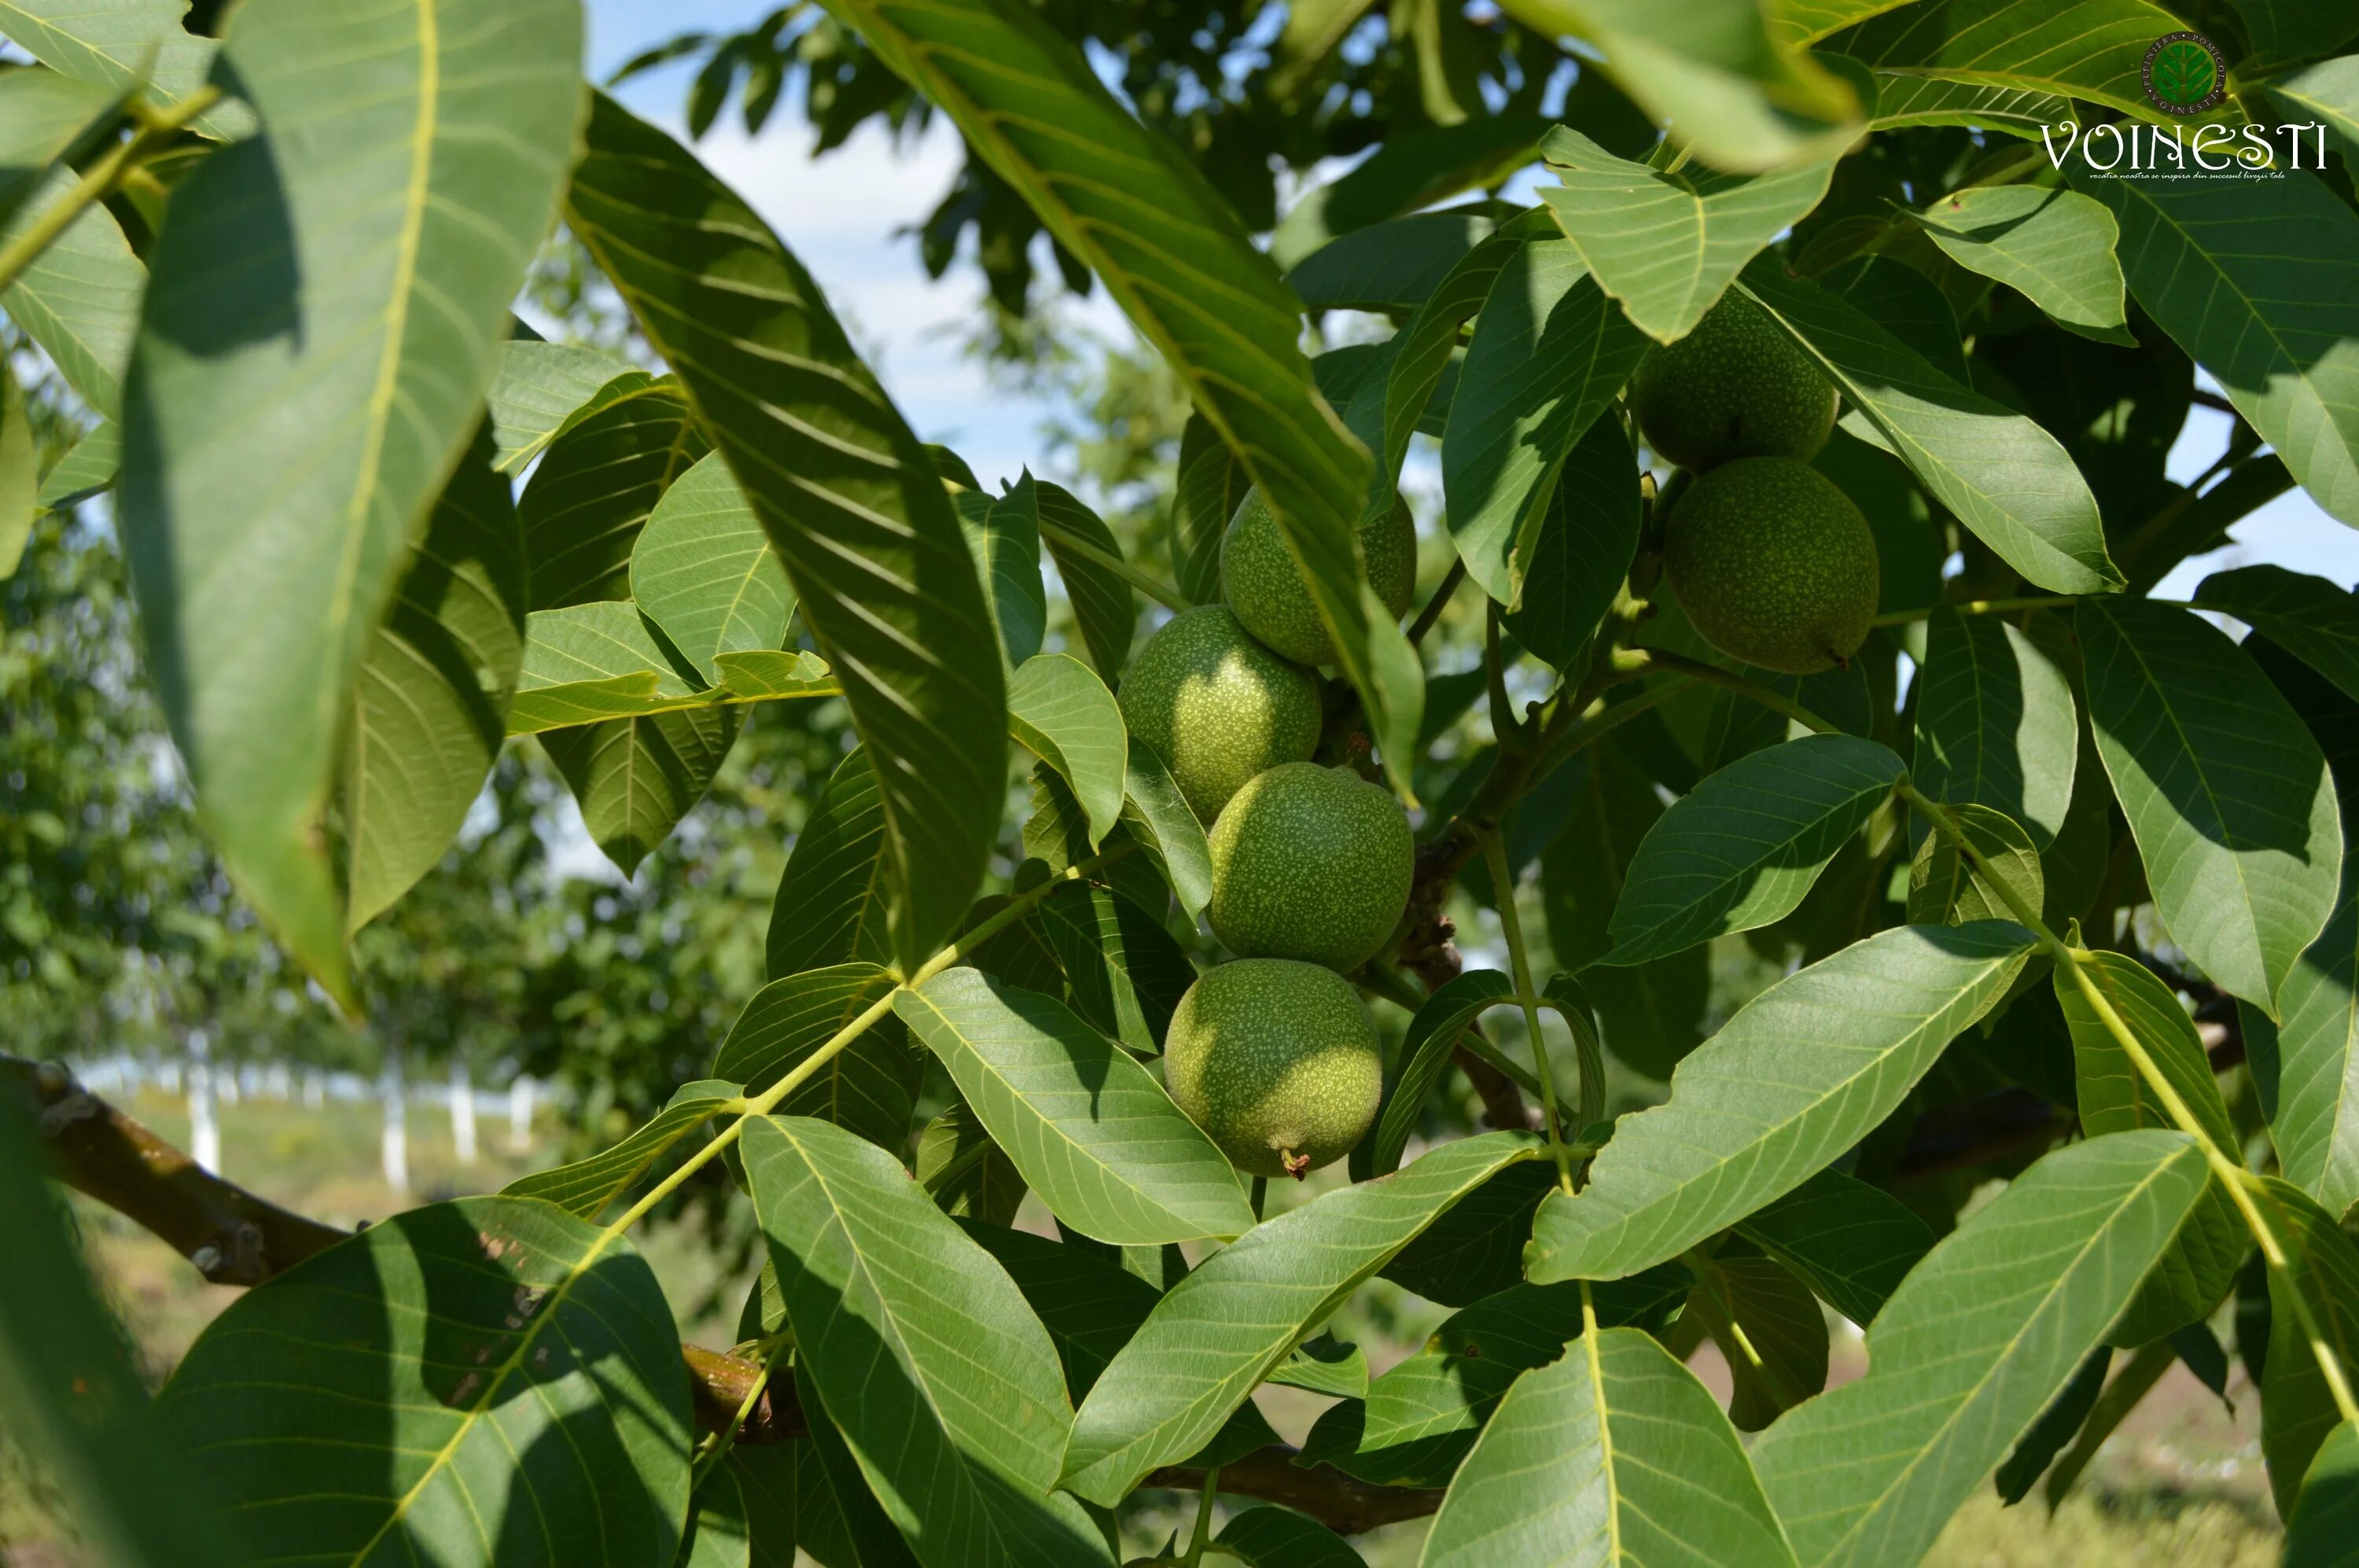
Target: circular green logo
column 2184, row 74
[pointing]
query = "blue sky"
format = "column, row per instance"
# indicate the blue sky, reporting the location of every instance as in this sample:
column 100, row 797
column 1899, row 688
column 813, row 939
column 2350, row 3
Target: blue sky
column 842, row 214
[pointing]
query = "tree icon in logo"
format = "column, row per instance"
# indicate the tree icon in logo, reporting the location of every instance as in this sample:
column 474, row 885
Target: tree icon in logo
column 2184, row 74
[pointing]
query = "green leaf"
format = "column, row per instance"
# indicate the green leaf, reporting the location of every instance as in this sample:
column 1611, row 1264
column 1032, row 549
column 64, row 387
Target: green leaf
column 718, row 1533
column 127, row 44
column 597, row 485
column 430, row 707
column 1799, row 1076
column 2226, row 792
column 1279, row 1538
column 1770, row 1330
column 2309, row 616
column 85, row 469
column 1314, row 30
column 601, row 660
column 1587, row 535
column 1127, row 972
column 1996, row 723
column 543, row 389
column 1415, row 168
column 1171, row 253
column 72, row 1384
column 837, row 1519
column 19, row 480
column 1711, row 71
column 514, row 1369
column 942, row 1380
column 2315, row 1297
column 636, row 778
column 1422, row 1416
column 1850, row 1243
column 1972, row 1345
column 1475, row 1248
column 1393, row 265
column 1065, row 716
column 1795, row 23
column 2253, row 277
column 2325, row 1521
column 2056, row 246
column 1947, row 887
column 1167, row 829
column 1744, row 847
column 259, row 585
column 79, row 298
column 1424, row 1055
column 1325, row 1366
column 1615, row 1454
column 2327, row 93
column 587, row 1187
column 831, row 902
column 1211, row 486
column 867, row 1086
column 2006, row 479
column 2055, row 1427
column 2074, row 49
column 1549, row 354
column 850, row 500
column 45, row 118
column 1666, row 245
column 1091, row 1130
column 1232, row 1322
column 703, row 569
column 2307, row 1069
column 1005, row 537
column 968, row 1175
column 1424, row 348
column 1103, row 606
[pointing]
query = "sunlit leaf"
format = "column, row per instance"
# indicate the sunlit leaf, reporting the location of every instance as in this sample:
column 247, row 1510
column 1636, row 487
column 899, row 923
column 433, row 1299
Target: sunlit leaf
column 544, row 389
column 122, row 44
column 1996, row 724
column 587, row 1187
column 2313, row 1303
column 866, row 1086
column 1166, row 828
column 2056, row 246
column 703, row 570
column 79, row 298
column 1065, row 716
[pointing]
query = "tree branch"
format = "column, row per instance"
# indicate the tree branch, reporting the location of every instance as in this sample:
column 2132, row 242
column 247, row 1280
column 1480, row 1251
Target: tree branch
column 1342, row 1503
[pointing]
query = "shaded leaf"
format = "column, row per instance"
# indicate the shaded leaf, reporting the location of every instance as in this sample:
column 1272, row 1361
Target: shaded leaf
column 2056, row 246
column 1588, row 534
column 2313, row 1300
column 866, row 1086
column 1475, row 1248
column 585, row 1188
column 1279, row 1538
column 1972, row 1345
column 968, row 1175
column 2325, row 1520
column 636, row 778
column 850, row 500
column 1166, row 830
column 1771, row 1332
column 1415, row 167
column 1433, row 1034
column 2076, row 48
column 19, row 481
column 543, row 389
column 1393, row 265
column 1947, row 888
column 1325, row 1366
column 2308, row 617
column 45, row 118
column 703, row 569
column 1127, row 972
column 1996, row 724
column 1005, row 537
column 1091, row 1130
column 830, row 906
column 1798, row 1074
column 596, row 487
column 2226, row 791
column 1851, row 1243
column 1103, row 606
column 2057, row 1424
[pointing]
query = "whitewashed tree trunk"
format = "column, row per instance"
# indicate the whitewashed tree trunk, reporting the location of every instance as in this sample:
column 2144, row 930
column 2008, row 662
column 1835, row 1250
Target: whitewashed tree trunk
column 520, row 1114
column 315, row 1089
column 205, row 1122
column 225, row 1088
column 395, row 1152
column 463, row 1112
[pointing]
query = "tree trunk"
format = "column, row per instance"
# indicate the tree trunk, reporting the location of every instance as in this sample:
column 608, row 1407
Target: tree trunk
column 520, row 1114
column 205, row 1122
column 463, row 1112
column 390, row 1090
column 315, row 1089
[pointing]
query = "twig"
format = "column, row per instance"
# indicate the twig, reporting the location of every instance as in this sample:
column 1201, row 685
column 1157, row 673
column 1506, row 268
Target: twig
column 1343, row 1504
column 1440, row 602
column 99, row 181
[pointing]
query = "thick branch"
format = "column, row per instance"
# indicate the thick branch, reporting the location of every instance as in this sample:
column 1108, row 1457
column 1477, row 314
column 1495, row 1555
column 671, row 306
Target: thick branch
column 1341, row 1502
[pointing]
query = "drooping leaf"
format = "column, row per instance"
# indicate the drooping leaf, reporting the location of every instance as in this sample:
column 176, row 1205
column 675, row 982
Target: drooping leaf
column 1550, row 353
column 1796, row 1077
column 1996, row 724
column 1090, row 1128
column 636, row 778
column 1239, row 1314
column 1588, row 534
column 2314, row 1304
column 1425, row 1051
column 1851, row 1243
column 1127, row 973
column 1743, row 849
column 1103, row 604
column 543, row 389
column 2056, row 246
column 259, row 584
column 1173, row 255
column 2226, row 792
column 515, row 1365
column 429, row 710
column 1064, row 715
column 1613, row 1454
column 2006, row 478
column 585, row 1188
column 866, row 1086
column 124, row 44
column 1971, row 1346
column 850, row 500
column 1666, row 245
column 831, row 902
column 942, row 1380
column 703, row 570
column 2254, row 279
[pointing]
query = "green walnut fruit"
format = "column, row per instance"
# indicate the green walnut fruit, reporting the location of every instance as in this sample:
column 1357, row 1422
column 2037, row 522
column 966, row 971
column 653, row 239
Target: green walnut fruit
column 1217, row 706
column 1276, row 1062
column 1310, row 863
column 1736, row 387
column 1267, row 591
column 1774, row 565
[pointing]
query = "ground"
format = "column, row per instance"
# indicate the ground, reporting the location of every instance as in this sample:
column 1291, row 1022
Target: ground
column 2182, row 1484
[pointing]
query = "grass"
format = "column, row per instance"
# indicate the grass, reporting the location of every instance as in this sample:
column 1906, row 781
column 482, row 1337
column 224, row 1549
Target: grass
column 2180, row 1485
